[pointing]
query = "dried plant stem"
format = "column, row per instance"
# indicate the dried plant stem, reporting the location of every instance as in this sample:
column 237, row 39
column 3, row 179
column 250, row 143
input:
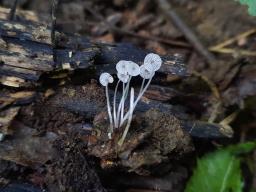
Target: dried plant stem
column 232, row 40
column 121, row 141
column 109, row 111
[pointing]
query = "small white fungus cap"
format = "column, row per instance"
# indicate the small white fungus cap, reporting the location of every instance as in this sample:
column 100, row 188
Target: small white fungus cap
column 105, row 79
column 133, row 69
column 122, row 67
column 152, row 60
column 123, row 77
column 145, row 73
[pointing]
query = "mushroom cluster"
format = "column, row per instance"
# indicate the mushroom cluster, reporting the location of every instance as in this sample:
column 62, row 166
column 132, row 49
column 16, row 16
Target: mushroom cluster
column 125, row 71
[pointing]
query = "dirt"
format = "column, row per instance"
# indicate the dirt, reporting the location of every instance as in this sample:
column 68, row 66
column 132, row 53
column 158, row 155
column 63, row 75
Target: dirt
column 155, row 137
column 71, row 125
column 168, row 135
column 71, row 171
column 47, row 115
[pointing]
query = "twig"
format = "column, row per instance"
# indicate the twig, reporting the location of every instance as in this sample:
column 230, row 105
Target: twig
column 211, row 85
column 229, row 118
column 225, row 123
column 239, row 52
column 13, row 10
column 232, row 40
column 188, row 33
column 220, row 48
column 215, row 112
column 216, row 94
column 113, row 28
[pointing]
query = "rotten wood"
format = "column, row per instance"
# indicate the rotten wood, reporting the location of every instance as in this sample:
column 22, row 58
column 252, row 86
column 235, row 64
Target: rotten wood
column 26, row 148
column 17, row 98
column 27, row 52
column 54, row 10
column 13, row 10
column 21, row 15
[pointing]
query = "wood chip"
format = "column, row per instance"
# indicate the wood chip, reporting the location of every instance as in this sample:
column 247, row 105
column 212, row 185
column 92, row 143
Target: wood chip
column 6, row 117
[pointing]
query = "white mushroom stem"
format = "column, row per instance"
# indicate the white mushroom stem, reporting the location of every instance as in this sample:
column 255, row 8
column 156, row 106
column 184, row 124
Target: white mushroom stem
column 122, row 101
column 122, row 110
column 114, row 106
column 137, row 100
column 142, row 85
column 120, row 106
column 109, row 110
column 125, row 96
column 121, row 141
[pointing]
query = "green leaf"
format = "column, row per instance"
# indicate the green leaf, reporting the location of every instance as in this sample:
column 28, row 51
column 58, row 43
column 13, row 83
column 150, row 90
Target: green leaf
column 252, row 6
column 241, row 148
column 219, row 171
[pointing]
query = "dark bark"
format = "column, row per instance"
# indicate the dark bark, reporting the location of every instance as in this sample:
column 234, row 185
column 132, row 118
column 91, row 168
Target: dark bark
column 26, row 52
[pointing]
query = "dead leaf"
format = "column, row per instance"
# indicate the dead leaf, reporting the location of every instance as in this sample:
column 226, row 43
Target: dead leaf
column 27, row 149
column 6, row 118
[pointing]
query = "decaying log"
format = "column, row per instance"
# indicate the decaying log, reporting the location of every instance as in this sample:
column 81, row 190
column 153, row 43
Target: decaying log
column 6, row 118
column 26, row 147
column 26, row 53
column 22, row 15
column 14, row 101
column 65, row 125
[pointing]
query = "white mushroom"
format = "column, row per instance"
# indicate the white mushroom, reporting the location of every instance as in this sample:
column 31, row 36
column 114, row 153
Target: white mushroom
column 125, row 71
column 123, row 77
column 152, row 60
column 133, row 69
column 121, row 66
column 146, row 73
column 105, row 79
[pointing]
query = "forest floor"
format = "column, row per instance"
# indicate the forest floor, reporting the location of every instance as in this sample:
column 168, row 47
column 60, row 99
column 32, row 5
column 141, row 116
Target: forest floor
column 52, row 142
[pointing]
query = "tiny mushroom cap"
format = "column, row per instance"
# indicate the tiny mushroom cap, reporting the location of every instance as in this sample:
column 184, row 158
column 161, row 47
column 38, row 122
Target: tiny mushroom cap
column 153, row 60
column 133, row 69
column 145, row 73
column 121, row 66
column 105, row 79
column 123, row 77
